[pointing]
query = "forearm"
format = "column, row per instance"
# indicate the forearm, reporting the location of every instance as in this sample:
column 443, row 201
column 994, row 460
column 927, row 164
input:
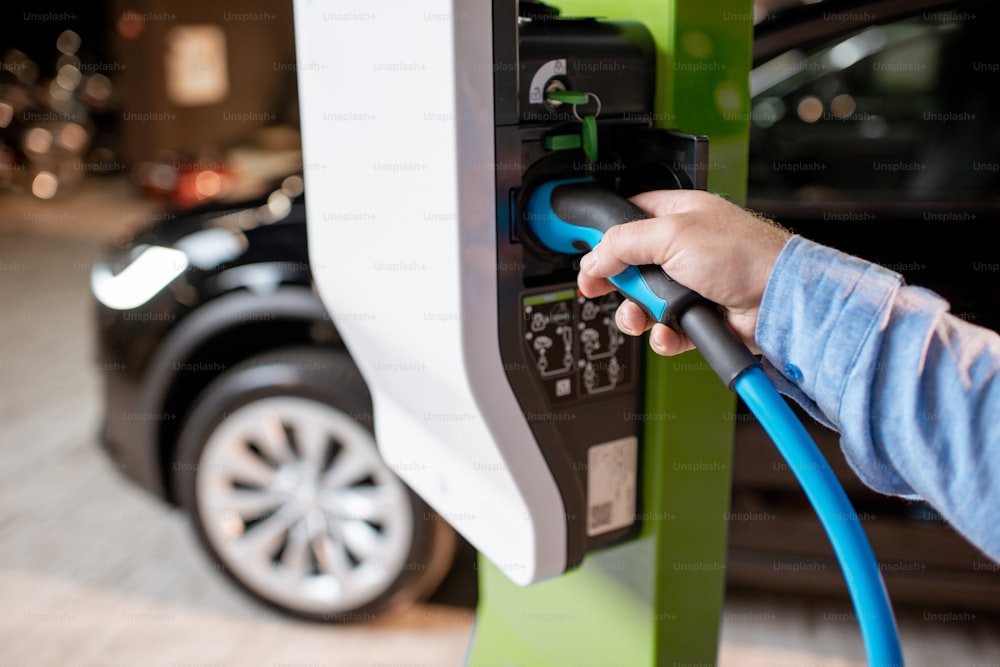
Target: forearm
column 914, row 391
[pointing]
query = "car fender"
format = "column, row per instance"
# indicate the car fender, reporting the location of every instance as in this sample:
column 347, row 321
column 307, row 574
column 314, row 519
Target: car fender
column 214, row 318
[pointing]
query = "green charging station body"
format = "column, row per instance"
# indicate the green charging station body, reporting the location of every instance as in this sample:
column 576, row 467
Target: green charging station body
column 651, row 594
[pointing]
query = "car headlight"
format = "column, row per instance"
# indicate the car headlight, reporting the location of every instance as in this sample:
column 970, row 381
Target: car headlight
column 152, row 269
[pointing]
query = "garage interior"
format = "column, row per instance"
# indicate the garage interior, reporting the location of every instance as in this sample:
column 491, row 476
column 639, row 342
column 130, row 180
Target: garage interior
column 92, row 570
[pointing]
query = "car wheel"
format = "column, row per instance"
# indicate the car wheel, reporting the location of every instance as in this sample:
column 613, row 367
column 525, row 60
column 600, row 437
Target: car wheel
column 278, row 465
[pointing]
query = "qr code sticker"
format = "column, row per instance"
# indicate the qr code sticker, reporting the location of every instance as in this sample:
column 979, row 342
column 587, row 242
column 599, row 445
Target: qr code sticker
column 600, row 515
column 611, row 485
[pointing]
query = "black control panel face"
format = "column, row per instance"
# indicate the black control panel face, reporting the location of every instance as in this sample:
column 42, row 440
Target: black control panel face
column 575, row 347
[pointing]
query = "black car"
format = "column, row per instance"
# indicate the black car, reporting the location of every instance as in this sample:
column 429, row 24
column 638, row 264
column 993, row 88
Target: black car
column 229, row 393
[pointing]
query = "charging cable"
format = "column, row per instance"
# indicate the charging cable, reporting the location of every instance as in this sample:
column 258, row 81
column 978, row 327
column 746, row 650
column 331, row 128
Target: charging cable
column 571, row 216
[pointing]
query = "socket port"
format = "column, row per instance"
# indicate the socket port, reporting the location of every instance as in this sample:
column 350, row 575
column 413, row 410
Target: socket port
column 554, row 84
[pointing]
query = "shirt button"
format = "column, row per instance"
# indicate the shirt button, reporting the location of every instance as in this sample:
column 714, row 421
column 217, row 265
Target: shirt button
column 793, row 372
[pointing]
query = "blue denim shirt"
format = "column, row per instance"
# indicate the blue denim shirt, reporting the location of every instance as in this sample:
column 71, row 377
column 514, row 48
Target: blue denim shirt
column 913, row 390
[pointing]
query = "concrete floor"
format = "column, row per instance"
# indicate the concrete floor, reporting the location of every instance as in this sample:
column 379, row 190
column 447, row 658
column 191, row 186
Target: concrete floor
column 95, row 572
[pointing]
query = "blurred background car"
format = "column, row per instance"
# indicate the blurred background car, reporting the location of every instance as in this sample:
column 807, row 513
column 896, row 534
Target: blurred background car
column 234, row 398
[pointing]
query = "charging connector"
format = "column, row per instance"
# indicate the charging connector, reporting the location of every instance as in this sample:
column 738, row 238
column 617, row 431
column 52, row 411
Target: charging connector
column 571, row 216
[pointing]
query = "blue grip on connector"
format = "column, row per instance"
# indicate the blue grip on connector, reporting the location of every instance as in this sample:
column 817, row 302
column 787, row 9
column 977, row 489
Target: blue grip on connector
column 632, row 283
column 556, row 234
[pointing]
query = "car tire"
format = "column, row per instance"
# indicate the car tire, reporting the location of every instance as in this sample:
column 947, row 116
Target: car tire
column 278, row 467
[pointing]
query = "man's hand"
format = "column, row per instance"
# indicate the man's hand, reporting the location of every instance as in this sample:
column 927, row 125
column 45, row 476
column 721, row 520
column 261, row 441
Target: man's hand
column 702, row 241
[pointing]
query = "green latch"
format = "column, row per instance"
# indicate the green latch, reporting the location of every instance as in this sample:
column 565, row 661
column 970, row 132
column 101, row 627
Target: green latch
column 566, row 96
column 589, row 134
column 563, row 142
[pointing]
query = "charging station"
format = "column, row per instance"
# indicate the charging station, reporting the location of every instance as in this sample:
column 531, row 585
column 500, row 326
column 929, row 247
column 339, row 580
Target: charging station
column 592, row 476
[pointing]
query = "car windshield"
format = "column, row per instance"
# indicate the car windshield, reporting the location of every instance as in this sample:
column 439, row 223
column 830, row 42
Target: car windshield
column 901, row 110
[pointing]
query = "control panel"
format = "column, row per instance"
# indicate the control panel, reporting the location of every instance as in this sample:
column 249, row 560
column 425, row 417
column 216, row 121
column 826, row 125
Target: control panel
column 573, row 98
column 577, row 349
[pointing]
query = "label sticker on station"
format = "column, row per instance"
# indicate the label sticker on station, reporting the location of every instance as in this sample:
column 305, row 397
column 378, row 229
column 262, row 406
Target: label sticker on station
column 611, row 485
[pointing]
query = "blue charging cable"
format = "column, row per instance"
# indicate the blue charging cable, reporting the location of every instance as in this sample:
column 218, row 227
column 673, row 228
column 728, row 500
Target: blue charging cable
column 864, row 580
column 571, row 216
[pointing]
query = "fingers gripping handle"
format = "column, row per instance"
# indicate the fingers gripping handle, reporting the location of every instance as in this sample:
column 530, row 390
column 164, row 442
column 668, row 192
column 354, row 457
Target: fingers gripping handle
column 571, row 216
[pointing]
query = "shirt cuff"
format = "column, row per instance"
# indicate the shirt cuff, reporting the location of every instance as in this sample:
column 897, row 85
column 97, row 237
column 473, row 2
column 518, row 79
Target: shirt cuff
column 819, row 309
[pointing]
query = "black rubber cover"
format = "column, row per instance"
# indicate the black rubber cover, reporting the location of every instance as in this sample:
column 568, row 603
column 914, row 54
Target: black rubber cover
column 589, row 204
column 718, row 344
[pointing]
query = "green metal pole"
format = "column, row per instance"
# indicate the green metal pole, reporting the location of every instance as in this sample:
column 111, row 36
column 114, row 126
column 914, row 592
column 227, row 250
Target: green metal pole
column 656, row 600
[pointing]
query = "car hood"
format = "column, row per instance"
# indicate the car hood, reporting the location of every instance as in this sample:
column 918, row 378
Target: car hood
column 258, row 244
column 173, row 226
